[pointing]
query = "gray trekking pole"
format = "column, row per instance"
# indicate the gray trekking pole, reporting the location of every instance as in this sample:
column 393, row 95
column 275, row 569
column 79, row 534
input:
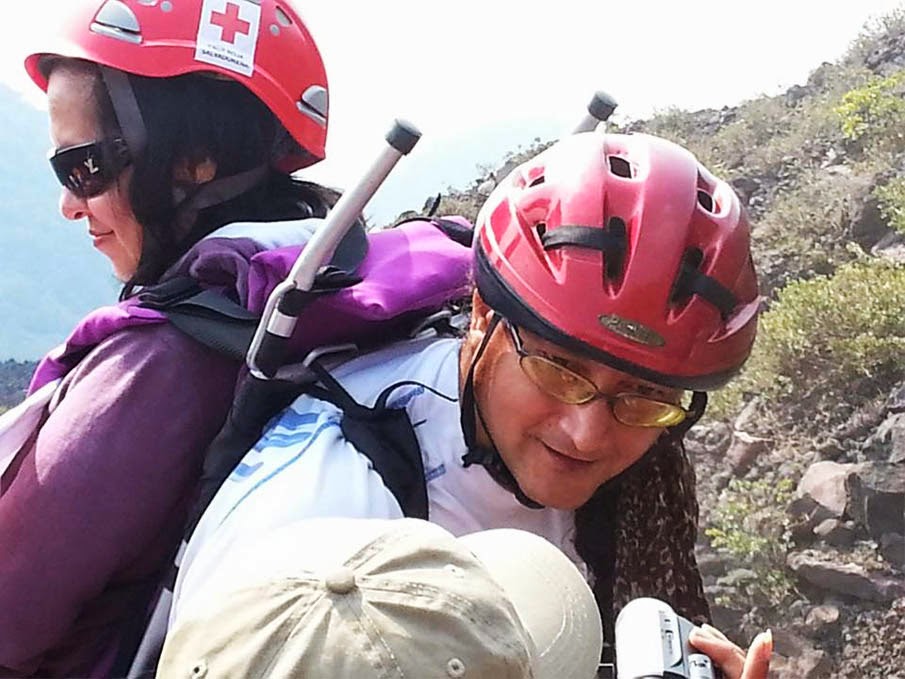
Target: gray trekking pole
column 600, row 108
column 266, row 355
column 289, row 298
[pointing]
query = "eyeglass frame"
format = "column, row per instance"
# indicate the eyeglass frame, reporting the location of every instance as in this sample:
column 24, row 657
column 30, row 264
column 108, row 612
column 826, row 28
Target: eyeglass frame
column 610, row 399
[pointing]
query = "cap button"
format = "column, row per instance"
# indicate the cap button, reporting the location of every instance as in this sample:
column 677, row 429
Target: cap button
column 341, row 581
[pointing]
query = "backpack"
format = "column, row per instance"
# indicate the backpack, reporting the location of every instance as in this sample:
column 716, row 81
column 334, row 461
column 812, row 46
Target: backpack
column 407, row 281
column 411, row 278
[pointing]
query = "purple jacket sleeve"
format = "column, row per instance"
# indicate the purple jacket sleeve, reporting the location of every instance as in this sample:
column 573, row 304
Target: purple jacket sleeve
column 97, row 502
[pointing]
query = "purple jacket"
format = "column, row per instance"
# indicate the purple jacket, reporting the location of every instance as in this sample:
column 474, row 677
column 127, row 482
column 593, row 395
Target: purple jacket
column 93, row 505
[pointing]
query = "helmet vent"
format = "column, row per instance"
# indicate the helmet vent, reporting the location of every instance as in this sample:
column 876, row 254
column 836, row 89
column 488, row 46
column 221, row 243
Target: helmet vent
column 620, row 167
column 313, row 103
column 682, row 289
column 615, row 254
column 117, row 20
column 537, row 181
column 692, row 281
column 283, row 18
column 705, row 200
column 541, row 229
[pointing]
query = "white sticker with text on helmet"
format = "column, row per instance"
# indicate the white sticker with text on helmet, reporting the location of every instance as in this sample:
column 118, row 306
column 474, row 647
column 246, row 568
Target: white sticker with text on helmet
column 228, row 34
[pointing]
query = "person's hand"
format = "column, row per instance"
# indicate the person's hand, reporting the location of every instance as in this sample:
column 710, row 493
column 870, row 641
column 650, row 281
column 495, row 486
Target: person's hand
column 732, row 660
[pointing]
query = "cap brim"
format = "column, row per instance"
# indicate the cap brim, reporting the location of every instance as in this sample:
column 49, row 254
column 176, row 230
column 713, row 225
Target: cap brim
column 551, row 597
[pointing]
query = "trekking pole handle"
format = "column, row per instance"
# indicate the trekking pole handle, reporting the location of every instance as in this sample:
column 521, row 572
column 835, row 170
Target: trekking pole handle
column 400, row 140
column 600, row 108
column 288, row 299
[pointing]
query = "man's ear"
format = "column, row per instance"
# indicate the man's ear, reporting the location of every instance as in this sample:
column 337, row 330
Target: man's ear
column 481, row 313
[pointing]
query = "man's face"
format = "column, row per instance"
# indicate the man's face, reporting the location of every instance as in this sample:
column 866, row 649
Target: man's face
column 559, row 453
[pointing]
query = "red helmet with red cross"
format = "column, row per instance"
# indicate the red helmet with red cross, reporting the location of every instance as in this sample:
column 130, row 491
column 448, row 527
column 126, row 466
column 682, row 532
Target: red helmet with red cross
column 624, row 248
column 262, row 44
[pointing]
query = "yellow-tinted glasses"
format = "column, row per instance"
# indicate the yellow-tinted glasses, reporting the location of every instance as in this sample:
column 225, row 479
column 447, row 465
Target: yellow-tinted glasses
column 566, row 385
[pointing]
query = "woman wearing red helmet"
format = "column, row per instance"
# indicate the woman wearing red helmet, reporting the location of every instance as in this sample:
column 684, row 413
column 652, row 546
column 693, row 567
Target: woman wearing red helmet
column 614, row 285
column 170, row 120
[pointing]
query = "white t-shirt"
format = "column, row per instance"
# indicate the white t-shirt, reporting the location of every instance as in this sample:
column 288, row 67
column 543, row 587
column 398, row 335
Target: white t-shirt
column 303, row 467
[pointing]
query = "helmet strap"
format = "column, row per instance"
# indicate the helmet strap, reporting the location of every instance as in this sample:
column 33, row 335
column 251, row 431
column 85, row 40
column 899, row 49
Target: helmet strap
column 697, row 407
column 215, row 192
column 125, row 106
column 487, row 457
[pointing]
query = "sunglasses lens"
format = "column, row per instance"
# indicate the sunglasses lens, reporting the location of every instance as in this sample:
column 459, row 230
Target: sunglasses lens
column 81, row 169
column 638, row 411
column 558, row 381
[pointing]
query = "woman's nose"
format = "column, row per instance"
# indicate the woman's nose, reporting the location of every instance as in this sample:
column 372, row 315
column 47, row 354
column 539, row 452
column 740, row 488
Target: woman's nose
column 71, row 206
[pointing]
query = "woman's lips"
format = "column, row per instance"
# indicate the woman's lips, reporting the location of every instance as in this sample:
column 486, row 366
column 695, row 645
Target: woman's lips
column 98, row 237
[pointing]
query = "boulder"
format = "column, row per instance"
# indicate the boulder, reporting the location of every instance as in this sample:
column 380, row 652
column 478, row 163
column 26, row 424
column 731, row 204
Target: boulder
column 891, row 248
column 709, row 438
column 892, row 548
column 896, row 401
column 877, row 498
column 710, row 563
column 847, row 579
column 825, row 483
column 744, row 450
column 868, row 225
column 794, row 657
column 887, row 443
column 835, row 532
column 823, row 620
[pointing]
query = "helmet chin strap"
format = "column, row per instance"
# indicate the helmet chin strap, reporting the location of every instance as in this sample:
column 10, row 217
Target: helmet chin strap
column 215, row 192
column 125, row 106
column 132, row 125
column 487, row 457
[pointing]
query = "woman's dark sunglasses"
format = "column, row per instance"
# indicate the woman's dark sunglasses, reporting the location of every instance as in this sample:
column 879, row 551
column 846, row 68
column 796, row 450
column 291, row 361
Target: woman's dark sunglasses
column 88, row 170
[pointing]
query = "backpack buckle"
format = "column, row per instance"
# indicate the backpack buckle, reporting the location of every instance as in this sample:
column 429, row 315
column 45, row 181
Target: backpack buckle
column 164, row 295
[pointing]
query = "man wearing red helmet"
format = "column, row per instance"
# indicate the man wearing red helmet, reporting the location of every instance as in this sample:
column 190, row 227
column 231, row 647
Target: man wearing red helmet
column 170, row 120
column 614, row 285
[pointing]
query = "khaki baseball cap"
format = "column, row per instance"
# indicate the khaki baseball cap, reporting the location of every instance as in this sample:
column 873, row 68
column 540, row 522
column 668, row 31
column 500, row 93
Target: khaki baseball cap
column 363, row 598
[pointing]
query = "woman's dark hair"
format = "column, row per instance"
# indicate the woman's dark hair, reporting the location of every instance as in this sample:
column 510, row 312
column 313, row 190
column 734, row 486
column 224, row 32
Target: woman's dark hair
column 190, row 120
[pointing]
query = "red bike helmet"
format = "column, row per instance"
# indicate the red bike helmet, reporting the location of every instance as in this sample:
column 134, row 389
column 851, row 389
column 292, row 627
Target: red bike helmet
column 262, row 44
column 624, row 248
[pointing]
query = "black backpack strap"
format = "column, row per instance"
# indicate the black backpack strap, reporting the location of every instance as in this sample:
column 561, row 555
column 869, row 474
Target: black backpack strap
column 218, row 322
column 204, row 315
column 385, row 435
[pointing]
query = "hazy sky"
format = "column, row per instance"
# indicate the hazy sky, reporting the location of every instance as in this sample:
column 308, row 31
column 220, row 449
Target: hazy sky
column 480, row 77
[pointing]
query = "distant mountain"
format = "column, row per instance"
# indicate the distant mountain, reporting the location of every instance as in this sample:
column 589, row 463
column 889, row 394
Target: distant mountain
column 50, row 276
column 435, row 166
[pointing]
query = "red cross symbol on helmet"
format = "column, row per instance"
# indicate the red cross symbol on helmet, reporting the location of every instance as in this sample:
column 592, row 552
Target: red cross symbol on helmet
column 230, row 23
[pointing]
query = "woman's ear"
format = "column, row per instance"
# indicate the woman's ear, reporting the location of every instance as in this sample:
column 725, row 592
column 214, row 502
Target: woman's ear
column 188, row 172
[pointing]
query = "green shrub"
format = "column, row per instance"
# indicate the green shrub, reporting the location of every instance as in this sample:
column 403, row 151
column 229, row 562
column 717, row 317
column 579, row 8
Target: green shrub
column 830, row 343
column 892, row 203
column 875, row 35
column 874, row 113
column 750, row 525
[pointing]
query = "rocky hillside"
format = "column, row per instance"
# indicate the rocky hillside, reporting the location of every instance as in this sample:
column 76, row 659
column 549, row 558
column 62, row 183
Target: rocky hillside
column 801, row 464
